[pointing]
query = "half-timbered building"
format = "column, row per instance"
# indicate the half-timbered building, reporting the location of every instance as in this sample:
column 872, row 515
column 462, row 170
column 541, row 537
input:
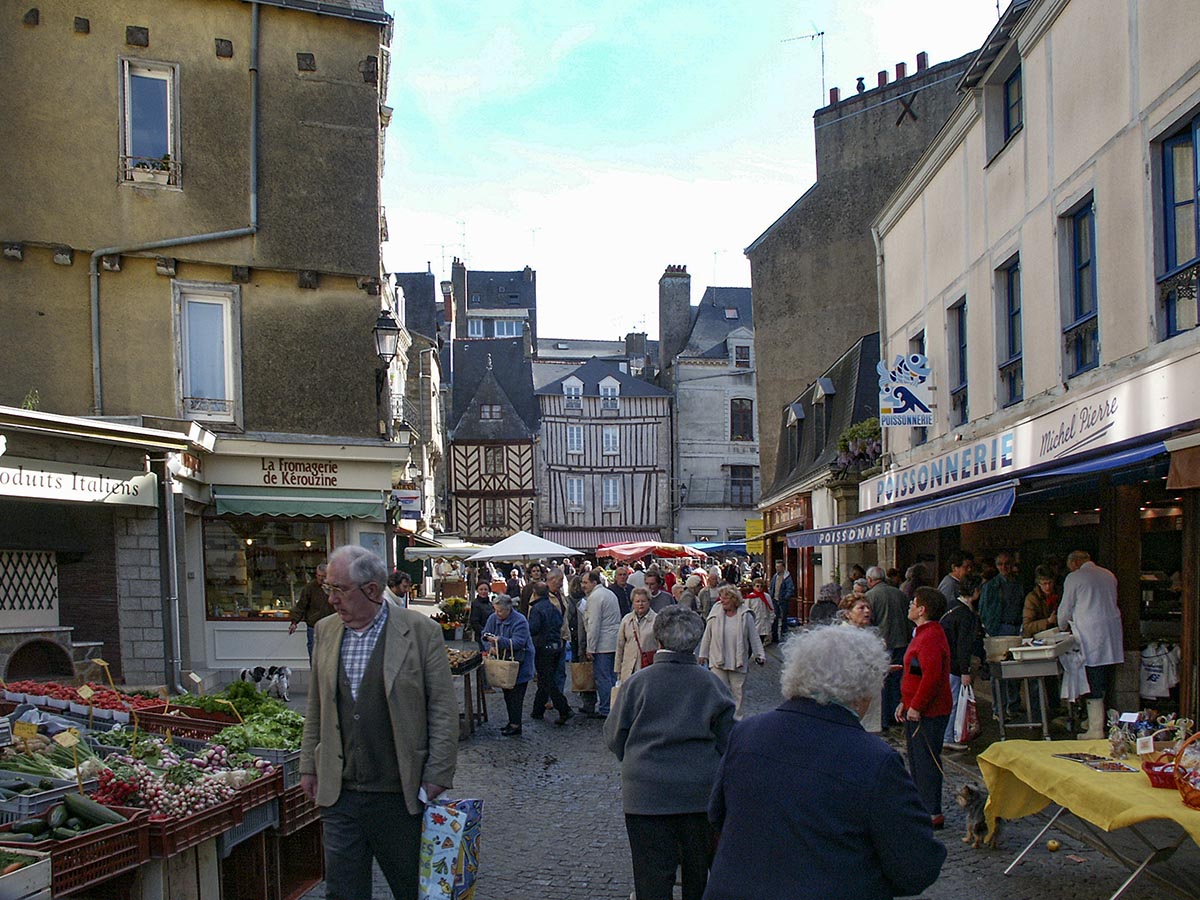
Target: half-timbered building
column 493, row 437
column 605, row 457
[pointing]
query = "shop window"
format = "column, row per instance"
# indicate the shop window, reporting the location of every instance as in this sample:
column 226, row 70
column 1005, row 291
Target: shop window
column 575, row 493
column 475, row 328
column 1012, row 377
column 209, row 345
column 959, row 413
column 256, row 568
column 1081, row 332
column 612, row 492
column 1177, row 288
column 149, row 141
column 741, row 420
column 508, row 328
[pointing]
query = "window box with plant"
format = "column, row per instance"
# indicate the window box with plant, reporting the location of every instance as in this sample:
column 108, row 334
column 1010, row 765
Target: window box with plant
column 148, row 170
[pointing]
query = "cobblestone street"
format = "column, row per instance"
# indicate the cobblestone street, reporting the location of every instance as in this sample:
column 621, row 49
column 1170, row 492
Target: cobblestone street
column 553, row 826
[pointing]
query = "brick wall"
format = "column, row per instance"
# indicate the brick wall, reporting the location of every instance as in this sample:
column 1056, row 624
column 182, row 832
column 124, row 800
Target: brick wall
column 87, row 584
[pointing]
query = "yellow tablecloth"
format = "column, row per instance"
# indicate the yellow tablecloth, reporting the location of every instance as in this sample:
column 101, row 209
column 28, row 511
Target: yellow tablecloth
column 1023, row 777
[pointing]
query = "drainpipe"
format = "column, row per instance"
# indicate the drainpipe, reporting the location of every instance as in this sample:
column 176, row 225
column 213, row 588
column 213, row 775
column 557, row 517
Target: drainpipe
column 172, row 639
column 252, row 228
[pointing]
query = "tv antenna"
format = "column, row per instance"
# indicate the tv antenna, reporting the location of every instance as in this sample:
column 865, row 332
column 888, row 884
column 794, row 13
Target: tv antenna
column 818, row 36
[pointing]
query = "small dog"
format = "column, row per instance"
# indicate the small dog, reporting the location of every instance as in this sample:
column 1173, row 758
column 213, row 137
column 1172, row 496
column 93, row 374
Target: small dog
column 272, row 680
column 972, row 798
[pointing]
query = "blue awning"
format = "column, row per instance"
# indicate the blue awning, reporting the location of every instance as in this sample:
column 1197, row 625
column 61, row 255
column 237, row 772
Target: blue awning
column 987, row 503
column 721, row 546
column 1118, row 460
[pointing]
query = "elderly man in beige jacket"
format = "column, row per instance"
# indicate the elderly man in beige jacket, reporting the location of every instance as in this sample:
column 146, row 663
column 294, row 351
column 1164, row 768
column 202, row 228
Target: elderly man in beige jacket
column 381, row 728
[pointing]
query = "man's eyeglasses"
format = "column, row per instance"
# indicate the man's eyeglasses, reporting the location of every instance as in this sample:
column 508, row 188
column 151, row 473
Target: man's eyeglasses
column 336, row 590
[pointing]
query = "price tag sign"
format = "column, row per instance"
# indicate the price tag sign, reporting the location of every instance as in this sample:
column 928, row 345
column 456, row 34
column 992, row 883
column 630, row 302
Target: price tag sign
column 1129, row 717
column 24, row 730
column 1145, row 745
column 66, row 739
column 85, row 692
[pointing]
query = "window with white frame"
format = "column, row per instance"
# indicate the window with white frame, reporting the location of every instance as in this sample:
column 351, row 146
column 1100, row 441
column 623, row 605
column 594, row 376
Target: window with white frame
column 490, row 411
column 493, row 460
column 611, row 439
column 474, row 328
column 574, row 493
column 149, row 137
column 573, row 392
column 610, row 395
column 612, row 492
column 574, row 438
column 508, row 328
column 208, row 341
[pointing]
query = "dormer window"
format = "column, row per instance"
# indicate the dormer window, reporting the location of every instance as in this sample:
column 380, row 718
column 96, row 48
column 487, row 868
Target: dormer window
column 489, row 411
column 741, row 356
column 573, row 393
column 731, row 312
column 610, row 394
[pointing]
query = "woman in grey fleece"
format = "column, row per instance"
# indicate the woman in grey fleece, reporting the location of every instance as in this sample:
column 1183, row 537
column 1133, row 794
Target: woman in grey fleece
column 669, row 726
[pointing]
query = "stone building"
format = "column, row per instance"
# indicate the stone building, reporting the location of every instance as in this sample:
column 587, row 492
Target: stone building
column 204, row 253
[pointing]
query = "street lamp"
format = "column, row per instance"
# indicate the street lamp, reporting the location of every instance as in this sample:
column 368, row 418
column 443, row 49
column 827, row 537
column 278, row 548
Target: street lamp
column 387, row 337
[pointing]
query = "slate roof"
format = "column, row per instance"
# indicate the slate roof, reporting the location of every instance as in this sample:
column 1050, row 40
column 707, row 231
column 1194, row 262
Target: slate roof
column 360, row 10
column 495, row 371
column 423, row 312
column 554, row 349
column 855, row 399
column 595, row 370
column 710, row 327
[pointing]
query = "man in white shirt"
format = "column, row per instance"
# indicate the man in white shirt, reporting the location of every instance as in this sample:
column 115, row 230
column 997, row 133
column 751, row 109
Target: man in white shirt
column 637, row 578
column 603, row 625
column 1089, row 609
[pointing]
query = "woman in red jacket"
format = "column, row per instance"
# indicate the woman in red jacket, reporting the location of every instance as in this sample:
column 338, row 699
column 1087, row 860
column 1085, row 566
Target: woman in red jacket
column 925, row 699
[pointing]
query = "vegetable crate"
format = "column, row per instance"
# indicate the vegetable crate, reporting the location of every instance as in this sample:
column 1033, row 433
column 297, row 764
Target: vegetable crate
column 288, row 760
column 260, row 791
column 300, row 861
column 31, row 881
column 170, row 835
column 254, row 821
column 25, row 805
column 296, row 811
column 185, row 722
column 96, row 855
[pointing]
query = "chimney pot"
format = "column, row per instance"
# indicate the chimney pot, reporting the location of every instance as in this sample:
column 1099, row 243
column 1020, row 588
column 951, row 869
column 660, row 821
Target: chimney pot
column 922, row 61
column 835, row 96
column 883, row 78
column 901, row 71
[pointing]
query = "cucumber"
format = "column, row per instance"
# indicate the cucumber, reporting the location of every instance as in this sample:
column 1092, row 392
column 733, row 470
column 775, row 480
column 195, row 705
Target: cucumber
column 45, row 785
column 6, row 794
column 28, row 826
column 75, row 822
column 63, row 834
column 20, row 837
column 56, row 817
column 91, row 811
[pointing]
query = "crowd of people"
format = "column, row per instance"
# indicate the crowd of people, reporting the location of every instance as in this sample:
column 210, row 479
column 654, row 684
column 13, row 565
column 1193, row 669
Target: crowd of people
column 670, row 649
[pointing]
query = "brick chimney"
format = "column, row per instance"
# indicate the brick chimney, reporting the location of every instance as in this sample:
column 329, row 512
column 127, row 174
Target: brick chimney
column 448, row 301
column 901, row 71
column 882, row 78
column 835, row 96
column 922, row 61
column 674, row 313
column 458, row 279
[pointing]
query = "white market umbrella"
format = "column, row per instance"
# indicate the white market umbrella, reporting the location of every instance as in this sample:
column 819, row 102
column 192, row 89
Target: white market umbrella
column 523, row 546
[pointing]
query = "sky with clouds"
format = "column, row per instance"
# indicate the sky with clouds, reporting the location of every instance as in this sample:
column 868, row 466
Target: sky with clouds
column 600, row 141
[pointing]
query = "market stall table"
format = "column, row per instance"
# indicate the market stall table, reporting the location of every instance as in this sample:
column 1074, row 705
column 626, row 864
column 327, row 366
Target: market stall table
column 1024, row 777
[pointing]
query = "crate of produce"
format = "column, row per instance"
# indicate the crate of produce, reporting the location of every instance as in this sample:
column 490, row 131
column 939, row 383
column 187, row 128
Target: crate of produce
column 296, row 811
column 185, row 721
column 31, row 881
column 96, row 855
column 254, row 821
column 261, row 790
column 171, row 835
column 31, row 802
column 286, row 760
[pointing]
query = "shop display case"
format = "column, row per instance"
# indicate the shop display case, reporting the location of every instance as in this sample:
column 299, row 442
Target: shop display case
column 256, row 568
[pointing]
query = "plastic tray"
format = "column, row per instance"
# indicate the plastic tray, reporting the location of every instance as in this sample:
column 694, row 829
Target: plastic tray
column 30, row 881
column 261, row 790
column 254, row 822
column 26, row 805
column 296, row 811
column 171, row 836
column 97, row 855
column 287, row 760
column 185, row 721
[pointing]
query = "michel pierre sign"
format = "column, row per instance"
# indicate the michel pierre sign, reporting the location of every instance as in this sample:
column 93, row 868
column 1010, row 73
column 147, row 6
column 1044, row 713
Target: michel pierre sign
column 1147, row 403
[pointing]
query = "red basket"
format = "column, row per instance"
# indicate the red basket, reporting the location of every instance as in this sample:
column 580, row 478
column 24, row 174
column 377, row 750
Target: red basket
column 296, row 811
column 97, row 855
column 1161, row 775
column 261, row 790
column 169, row 836
column 185, row 721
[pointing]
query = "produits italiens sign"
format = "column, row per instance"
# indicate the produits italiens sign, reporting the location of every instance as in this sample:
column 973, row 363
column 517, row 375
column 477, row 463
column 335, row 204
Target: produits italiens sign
column 1149, row 403
column 44, row 480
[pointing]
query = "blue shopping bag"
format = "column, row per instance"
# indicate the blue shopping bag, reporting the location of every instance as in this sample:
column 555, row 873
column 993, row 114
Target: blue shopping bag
column 449, row 862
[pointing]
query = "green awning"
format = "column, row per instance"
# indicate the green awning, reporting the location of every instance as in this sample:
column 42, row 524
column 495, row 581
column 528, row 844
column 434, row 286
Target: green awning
column 239, row 500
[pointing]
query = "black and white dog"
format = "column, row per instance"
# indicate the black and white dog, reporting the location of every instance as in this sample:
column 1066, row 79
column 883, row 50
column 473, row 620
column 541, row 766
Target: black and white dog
column 272, row 680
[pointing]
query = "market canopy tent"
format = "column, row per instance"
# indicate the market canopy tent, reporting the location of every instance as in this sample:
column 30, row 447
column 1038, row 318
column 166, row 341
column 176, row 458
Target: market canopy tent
column 738, row 548
column 448, row 551
column 638, row 549
column 523, row 546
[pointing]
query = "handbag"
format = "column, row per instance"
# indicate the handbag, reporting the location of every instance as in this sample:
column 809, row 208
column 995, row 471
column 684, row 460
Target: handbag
column 583, row 679
column 966, row 716
column 500, row 672
column 449, row 857
column 647, row 655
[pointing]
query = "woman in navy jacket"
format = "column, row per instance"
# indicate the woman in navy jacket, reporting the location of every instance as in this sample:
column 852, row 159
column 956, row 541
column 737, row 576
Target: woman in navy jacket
column 508, row 632
column 848, row 823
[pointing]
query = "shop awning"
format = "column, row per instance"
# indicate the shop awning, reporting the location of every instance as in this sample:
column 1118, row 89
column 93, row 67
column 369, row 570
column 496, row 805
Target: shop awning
column 976, row 506
column 590, row 538
column 1119, row 460
column 238, row 500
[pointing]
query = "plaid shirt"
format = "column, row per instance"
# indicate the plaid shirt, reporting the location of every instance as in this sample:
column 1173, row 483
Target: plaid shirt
column 357, row 648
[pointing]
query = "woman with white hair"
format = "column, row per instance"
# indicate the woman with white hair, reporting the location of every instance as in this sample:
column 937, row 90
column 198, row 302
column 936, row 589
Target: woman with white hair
column 851, row 823
column 668, row 727
column 730, row 641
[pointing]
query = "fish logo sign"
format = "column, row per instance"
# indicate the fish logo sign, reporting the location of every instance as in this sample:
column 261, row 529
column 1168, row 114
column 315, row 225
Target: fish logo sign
column 905, row 395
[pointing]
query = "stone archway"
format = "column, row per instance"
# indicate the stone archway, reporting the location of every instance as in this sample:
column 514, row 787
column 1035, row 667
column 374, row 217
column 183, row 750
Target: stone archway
column 39, row 659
